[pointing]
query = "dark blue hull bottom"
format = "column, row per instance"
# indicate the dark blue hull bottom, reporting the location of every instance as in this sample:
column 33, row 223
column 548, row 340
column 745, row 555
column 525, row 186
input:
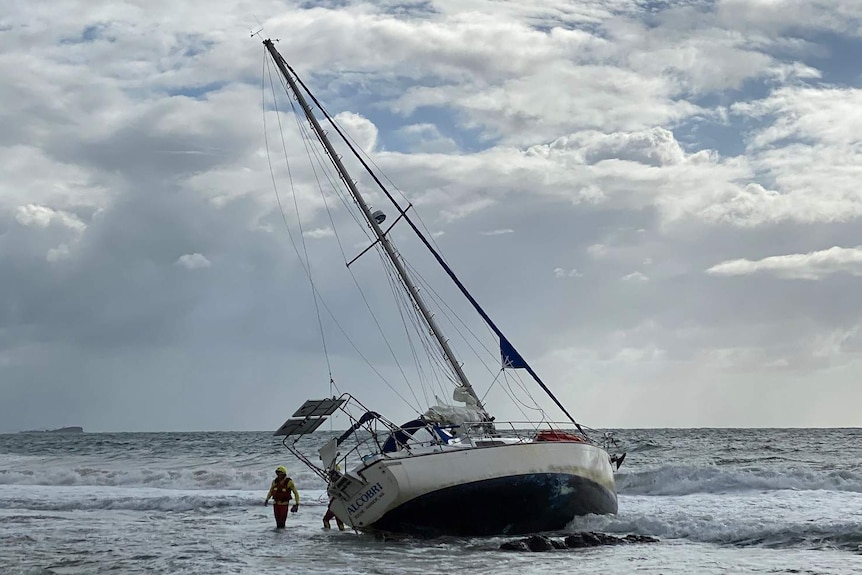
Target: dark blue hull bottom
column 504, row 506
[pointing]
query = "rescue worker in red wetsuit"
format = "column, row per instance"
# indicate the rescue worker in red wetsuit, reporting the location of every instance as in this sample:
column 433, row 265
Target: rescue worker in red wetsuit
column 329, row 516
column 280, row 491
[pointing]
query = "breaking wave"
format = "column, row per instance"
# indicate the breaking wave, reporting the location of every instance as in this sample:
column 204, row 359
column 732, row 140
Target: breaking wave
column 130, row 499
column 683, row 480
column 779, row 534
column 210, row 478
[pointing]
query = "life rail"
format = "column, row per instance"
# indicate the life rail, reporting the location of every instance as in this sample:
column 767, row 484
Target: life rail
column 371, row 437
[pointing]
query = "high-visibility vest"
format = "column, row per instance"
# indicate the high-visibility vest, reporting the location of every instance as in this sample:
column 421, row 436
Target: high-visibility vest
column 281, row 491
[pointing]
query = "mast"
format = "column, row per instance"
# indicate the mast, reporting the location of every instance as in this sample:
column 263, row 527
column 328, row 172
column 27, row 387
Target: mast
column 505, row 344
column 412, row 290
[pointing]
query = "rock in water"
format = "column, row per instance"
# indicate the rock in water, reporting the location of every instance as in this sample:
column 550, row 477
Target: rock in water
column 539, row 543
column 516, row 545
column 573, row 541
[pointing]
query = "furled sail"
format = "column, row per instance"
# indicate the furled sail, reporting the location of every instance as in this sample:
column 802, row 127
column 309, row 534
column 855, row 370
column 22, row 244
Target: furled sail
column 511, row 358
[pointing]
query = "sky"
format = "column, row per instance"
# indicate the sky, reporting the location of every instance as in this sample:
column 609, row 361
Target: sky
column 657, row 201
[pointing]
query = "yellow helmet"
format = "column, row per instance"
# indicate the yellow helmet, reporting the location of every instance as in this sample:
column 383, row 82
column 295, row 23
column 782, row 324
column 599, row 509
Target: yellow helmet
column 281, row 469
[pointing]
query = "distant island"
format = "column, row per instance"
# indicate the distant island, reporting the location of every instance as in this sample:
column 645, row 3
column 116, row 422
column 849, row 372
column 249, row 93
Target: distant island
column 59, row 430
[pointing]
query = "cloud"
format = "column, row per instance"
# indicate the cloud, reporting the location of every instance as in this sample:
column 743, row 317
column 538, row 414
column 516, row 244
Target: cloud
column 613, row 136
column 193, row 261
column 361, row 130
column 427, row 138
column 655, row 147
column 597, row 250
column 563, row 273
column 319, row 233
column 59, row 253
column 635, row 277
column 467, row 208
column 42, row 217
column 810, row 266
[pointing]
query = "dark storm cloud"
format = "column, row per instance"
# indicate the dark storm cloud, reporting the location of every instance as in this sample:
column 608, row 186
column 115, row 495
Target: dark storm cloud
column 149, row 281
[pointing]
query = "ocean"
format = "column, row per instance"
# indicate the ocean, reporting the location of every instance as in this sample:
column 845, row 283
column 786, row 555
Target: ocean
column 765, row 501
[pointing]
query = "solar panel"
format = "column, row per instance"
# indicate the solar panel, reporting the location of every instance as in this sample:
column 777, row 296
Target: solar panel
column 299, row 426
column 318, row 407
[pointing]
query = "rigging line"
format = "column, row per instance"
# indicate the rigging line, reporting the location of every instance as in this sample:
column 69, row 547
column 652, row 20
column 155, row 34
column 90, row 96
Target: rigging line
column 441, row 261
column 314, row 287
column 328, row 174
column 325, row 166
column 367, row 303
column 370, row 310
column 359, row 352
column 480, row 357
column 298, row 220
column 446, row 307
column 356, row 147
column 436, row 361
column 496, row 379
column 440, row 367
column 406, row 310
column 278, row 196
column 523, row 406
column 507, row 389
column 398, row 296
column 305, row 139
column 513, row 376
column 432, row 351
column 398, row 293
column 382, row 334
column 516, row 377
column 288, row 74
column 310, row 150
column 516, row 400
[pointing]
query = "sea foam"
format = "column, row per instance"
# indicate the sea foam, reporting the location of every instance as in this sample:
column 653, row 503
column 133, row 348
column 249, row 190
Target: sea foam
column 683, row 480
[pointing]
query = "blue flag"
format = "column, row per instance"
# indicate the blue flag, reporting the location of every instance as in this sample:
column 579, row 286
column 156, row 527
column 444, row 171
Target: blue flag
column 511, row 358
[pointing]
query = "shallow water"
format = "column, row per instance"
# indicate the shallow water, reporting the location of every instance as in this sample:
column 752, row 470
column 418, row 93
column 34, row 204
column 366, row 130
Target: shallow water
column 720, row 501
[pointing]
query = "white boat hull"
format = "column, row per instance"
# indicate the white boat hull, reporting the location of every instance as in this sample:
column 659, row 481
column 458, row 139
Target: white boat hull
column 505, row 489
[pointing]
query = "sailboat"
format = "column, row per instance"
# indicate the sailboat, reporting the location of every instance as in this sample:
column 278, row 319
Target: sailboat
column 454, row 469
